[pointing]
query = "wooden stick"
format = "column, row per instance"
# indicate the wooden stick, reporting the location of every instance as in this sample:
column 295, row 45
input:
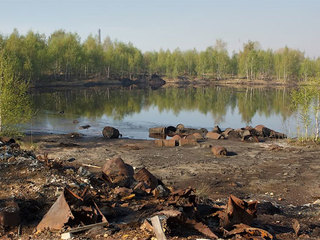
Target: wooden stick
column 157, row 228
column 89, row 165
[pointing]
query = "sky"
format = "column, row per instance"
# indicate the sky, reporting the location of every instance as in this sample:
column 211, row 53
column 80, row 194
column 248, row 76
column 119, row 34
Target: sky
column 168, row 24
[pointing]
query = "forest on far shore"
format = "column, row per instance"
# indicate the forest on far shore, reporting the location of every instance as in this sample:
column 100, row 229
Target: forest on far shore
column 35, row 57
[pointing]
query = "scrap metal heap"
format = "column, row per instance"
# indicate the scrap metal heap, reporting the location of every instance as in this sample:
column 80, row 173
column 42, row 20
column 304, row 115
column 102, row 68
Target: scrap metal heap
column 120, row 202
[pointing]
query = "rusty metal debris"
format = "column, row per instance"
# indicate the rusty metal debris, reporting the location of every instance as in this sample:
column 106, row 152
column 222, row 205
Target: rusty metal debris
column 143, row 175
column 117, row 172
column 132, row 198
column 177, row 218
column 219, row 151
column 71, row 209
column 237, row 211
column 213, row 135
column 248, row 232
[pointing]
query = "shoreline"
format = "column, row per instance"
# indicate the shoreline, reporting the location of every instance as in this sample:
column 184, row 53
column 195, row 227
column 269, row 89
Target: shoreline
column 117, row 83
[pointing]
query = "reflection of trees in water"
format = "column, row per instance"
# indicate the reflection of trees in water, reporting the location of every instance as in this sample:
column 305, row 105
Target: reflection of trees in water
column 118, row 103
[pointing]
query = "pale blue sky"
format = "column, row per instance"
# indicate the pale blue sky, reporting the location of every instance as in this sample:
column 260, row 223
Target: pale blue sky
column 153, row 24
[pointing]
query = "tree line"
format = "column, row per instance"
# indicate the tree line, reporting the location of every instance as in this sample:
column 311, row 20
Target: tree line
column 63, row 56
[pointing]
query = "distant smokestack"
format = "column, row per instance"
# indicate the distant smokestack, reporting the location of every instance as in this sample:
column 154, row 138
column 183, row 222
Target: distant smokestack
column 99, row 35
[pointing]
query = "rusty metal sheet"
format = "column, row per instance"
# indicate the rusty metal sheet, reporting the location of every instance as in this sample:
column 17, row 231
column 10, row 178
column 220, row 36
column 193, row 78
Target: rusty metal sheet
column 58, row 215
column 143, row 175
column 69, row 206
column 213, row 135
column 237, row 211
column 202, row 228
column 250, row 232
column 176, row 218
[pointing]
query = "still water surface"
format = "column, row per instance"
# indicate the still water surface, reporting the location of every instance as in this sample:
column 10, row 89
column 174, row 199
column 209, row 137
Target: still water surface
column 134, row 111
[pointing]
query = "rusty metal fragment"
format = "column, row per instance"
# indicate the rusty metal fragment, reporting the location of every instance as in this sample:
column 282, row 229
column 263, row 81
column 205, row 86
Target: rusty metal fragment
column 248, row 232
column 9, row 213
column 165, row 143
column 219, row 151
column 57, row 216
column 233, row 134
column 177, row 218
column 213, row 135
column 187, row 142
column 176, row 138
column 183, row 197
column 117, row 172
column 143, row 175
column 237, row 211
column 197, row 136
column 70, row 209
column 226, row 132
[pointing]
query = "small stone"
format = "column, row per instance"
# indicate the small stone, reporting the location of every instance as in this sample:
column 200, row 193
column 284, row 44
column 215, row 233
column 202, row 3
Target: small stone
column 67, row 235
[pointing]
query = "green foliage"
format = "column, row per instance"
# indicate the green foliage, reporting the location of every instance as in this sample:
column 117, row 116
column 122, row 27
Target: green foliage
column 15, row 105
column 63, row 56
column 306, row 101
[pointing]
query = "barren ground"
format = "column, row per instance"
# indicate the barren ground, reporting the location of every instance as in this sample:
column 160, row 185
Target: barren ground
column 285, row 174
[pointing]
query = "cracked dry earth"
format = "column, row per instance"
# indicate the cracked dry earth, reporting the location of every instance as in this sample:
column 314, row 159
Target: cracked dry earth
column 275, row 171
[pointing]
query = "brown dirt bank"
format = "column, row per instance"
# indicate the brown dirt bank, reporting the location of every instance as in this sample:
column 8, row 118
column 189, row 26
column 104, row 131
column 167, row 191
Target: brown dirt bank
column 176, row 82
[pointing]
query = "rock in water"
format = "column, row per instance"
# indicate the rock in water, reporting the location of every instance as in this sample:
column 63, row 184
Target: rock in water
column 110, row 132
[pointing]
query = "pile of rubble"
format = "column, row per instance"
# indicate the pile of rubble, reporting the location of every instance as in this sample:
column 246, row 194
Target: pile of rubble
column 258, row 133
column 43, row 198
column 182, row 136
column 116, row 202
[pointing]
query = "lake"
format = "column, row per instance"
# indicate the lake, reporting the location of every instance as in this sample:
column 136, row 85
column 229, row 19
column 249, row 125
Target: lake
column 134, row 111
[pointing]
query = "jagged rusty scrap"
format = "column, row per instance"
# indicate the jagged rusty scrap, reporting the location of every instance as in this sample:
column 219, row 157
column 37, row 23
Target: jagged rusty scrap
column 237, row 211
column 118, row 173
column 57, row 216
column 142, row 188
column 249, row 232
column 72, row 209
column 122, row 191
column 9, row 213
column 202, row 228
column 177, row 218
column 143, row 175
column 219, row 151
column 183, row 197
